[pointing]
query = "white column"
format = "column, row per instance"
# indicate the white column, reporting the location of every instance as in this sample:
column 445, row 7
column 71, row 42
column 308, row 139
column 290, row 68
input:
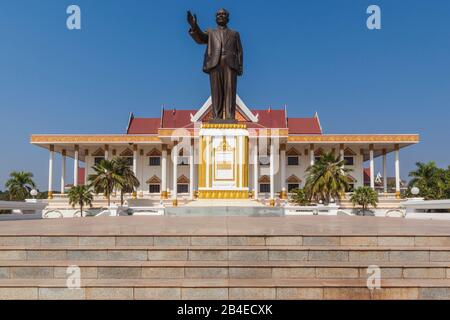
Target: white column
column 372, row 167
column 164, row 172
column 283, row 170
column 397, row 170
column 311, row 154
column 50, row 171
column 75, row 166
column 106, row 152
column 272, row 170
column 384, row 171
column 341, row 152
column 240, row 141
column 209, row 141
column 86, row 166
column 191, row 170
column 175, row 171
column 135, row 159
column 63, row 170
column 255, row 170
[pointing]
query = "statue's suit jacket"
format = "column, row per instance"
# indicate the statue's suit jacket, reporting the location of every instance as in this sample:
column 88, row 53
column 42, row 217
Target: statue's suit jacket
column 232, row 48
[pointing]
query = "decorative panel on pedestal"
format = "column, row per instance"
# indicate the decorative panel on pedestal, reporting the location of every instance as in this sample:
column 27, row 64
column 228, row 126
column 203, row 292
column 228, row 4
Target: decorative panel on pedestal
column 223, row 161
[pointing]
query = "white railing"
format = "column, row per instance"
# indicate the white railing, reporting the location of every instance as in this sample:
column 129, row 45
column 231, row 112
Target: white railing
column 30, row 209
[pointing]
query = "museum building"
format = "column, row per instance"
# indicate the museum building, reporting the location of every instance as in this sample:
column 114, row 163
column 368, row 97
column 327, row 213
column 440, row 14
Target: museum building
column 183, row 155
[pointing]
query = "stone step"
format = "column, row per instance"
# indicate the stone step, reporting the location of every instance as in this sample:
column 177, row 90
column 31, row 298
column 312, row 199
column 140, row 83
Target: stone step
column 223, row 289
column 220, row 269
column 228, row 253
column 230, row 240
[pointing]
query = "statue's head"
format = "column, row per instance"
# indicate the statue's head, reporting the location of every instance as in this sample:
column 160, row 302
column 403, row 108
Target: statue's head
column 222, row 17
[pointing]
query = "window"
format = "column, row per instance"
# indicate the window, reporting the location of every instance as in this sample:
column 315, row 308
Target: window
column 183, row 161
column 128, row 160
column 317, row 158
column 351, row 187
column 154, row 188
column 264, row 160
column 349, row 161
column 264, row 187
column 292, row 161
column 97, row 160
column 182, row 188
column 292, row 186
column 154, row 161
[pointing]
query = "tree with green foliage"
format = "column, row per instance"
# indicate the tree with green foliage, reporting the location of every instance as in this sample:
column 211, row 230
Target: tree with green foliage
column 433, row 182
column 299, row 197
column 129, row 182
column 327, row 178
column 19, row 185
column 364, row 197
column 81, row 196
column 105, row 178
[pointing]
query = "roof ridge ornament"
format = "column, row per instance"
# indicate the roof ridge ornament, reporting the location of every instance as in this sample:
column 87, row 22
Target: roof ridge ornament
column 242, row 107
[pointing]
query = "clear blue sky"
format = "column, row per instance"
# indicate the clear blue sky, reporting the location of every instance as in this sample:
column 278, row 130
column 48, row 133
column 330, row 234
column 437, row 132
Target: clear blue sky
column 136, row 56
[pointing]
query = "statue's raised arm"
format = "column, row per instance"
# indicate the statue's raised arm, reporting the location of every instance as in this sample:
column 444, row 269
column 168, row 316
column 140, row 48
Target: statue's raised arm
column 196, row 33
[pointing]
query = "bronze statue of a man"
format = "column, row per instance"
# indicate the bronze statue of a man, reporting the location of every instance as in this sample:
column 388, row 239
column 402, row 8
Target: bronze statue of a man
column 223, row 62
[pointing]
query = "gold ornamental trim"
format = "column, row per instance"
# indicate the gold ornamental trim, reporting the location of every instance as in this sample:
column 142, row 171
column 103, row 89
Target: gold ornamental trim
column 181, row 132
column 380, row 138
column 94, row 139
column 223, row 194
column 224, row 126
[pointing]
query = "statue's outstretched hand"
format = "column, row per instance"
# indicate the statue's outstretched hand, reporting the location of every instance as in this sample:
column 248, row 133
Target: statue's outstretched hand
column 192, row 19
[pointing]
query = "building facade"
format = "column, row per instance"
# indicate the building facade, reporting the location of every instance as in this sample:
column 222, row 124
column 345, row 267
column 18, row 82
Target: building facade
column 180, row 155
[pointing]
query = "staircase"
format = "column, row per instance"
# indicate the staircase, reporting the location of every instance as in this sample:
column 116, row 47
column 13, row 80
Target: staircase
column 203, row 266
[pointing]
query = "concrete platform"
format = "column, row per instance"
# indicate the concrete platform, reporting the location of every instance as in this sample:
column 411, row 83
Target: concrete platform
column 226, row 226
column 297, row 257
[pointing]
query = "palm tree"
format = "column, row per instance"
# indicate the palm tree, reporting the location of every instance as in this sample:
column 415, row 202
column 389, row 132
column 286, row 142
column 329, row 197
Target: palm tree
column 105, row 178
column 327, row 178
column 81, row 196
column 429, row 179
column 364, row 197
column 299, row 197
column 19, row 185
column 129, row 182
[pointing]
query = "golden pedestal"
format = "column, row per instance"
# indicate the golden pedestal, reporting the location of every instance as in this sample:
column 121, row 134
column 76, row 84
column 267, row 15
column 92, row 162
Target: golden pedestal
column 272, row 202
column 134, row 195
column 50, row 195
column 223, row 166
column 164, row 195
column 175, row 202
column 283, row 195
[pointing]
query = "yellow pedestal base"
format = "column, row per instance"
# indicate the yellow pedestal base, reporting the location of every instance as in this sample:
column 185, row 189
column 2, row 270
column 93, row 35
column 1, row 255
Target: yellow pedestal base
column 134, row 195
column 283, row 195
column 223, row 194
column 50, row 195
column 397, row 195
column 164, row 195
column 272, row 202
column 175, row 202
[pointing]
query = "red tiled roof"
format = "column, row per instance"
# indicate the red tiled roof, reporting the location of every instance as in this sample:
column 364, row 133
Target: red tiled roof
column 366, row 176
column 177, row 118
column 304, row 126
column 81, row 176
column 143, row 126
column 269, row 118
